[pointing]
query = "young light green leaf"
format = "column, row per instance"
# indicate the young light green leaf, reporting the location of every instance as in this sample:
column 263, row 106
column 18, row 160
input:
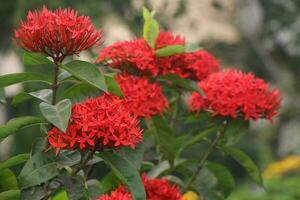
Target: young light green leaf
column 13, row 161
column 58, row 114
column 181, row 82
column 126, row 172
column 10, row 195
column 8, row 180
column 245, row 161
column 86, row 72
column 170, row 50
column 39, row 169
column 113, row 86
column 151, row 27
column 10, row 79
column 30, row 58
column 2, row 96
column 17, row 123
column 225, row 180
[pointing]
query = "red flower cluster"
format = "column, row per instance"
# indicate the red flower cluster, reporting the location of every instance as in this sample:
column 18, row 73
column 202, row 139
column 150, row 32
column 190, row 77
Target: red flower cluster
column 139, row 55
column 233, row 93
column 156, row 189
column 144, row 99
column 100, row 122
column 57, row 33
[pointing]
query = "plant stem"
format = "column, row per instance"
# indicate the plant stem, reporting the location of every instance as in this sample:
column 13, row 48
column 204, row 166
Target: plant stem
column 84, row 162
column 202, row 162
column 54, row 84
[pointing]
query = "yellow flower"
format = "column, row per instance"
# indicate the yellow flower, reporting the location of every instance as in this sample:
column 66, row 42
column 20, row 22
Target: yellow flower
column 190, row 195
column 281, row 167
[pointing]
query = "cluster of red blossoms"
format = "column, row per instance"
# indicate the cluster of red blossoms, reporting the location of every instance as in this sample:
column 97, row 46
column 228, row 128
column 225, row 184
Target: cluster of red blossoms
column 143, row 99
column 96, row 123
column 233, row 93
column 57, row 33
column 139, row 55
column 156, row 189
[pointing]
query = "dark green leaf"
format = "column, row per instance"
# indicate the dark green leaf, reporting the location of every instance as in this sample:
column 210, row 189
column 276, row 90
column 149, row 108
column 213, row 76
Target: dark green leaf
column 44, row 95
column 170, row 50
column 10, row 79
column 75, row 187
column 20, row 98
column 95, row 188
column 13, row 161
column 225, row 180
column 8, row 180
column 15, row 124
column 35, row 59
column 151, row 28
column 86, row 72
column 79, row 92
column 235, row 129
column 58, row 114
column 113, row 86
column 34, row 193
column 2, row 96
column 182, row 83
column 69, row 158
column 109, row 182
column 39, row 169
column 164, row 166
column 10, row 195
column 245, row 161
column 39, row 145
column 126, row 172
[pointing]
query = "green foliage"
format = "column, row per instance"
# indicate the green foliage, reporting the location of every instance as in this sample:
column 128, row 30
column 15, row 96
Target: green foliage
column 10, row 79
column 170, row 50
column 35, row 59
column 10, row 195
column 13, row 161
column 44, row 95
column 151, row 27
column 8, row 180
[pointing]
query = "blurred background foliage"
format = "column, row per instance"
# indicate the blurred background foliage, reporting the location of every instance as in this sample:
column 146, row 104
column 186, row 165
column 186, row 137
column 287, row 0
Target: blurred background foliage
column 262, row 36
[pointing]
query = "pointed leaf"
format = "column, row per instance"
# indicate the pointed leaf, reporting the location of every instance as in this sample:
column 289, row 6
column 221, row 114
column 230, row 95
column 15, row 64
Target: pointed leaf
column 126, row 172
column 13, row 161
column 235, row 129
column 86, row 72
column 245, row 161
column 79, row 92
column 8, row 180
column 30, row 58
column 170, row 50
column 151, row 27
column 44, row 95
column 17, row 123
column 58, row 114
column 10, row 195
column 10, row 79
column 113, row 86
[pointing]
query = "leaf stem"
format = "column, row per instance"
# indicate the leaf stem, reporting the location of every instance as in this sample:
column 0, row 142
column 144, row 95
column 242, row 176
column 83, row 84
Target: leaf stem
column 54, row 84
column 202, row 162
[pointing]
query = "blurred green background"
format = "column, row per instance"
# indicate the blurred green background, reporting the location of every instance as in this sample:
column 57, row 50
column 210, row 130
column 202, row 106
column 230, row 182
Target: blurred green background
column 262, row 36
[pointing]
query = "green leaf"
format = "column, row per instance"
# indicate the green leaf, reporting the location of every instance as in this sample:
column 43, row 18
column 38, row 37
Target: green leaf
column 79, row 92
column 69, row 158
column 75, row 187
column 10, row 79
column 44, row 95
column 151, row 27
column 170, row 50
column 164, row 166
column 58, row 114
column 35, row 59
column 86, row 72
column 2, row 96
column 8, row 180
column 190, row 47
column 225, row 180
column 10, row 195
column 182, row 83
column 165, row 138
column 235, row 129
column 34, row 193
column 126, row 172
column 39, row 169
column 15, row 160
column 245, row 161
column 113, row 86
column 15, row 124
column 95, row 188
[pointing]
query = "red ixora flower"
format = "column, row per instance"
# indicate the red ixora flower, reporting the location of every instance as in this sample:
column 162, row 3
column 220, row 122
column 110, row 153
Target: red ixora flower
column 101, row 122
column 57, row 33
column 139, row 55
column 156, row 189
column 233, row 93
column 144, row 99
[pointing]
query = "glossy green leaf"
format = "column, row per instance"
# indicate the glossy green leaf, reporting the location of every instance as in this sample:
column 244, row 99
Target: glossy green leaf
column 79, row 92
column 87, row 73
column 95, row 188
column 13, row 161
column 58, row 114
column 15, row 124
column 39, row 169
column 113, row 86
column 182, row 83
column 235, row 129
column 170, row 50
column 2, row 96
column 225, row 179
column 164, row 166
column 151, row 27
column 75, row 187
column 245, row 161
column 126, row 172
column 10, row 195
column 68, row 158
column 44, row 95
column 30, row 58
column 8, row 180
column 10, row 79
